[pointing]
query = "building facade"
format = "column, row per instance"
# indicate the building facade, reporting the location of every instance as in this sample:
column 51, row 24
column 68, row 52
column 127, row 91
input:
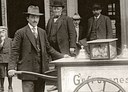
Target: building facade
column 12, row 14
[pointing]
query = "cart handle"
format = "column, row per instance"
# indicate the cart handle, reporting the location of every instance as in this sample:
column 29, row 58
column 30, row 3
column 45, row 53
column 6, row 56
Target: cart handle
column 43, row 76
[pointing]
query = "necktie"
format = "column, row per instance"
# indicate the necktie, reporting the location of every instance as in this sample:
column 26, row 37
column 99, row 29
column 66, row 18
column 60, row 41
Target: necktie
column 34, row 32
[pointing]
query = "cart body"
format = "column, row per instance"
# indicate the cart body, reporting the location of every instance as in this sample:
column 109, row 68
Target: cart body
column 72, row 72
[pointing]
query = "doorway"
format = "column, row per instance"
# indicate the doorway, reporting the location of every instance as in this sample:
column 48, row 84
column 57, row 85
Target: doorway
column 110, row 8
column 15, row 17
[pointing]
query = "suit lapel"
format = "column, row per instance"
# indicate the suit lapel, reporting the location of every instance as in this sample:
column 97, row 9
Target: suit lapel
column 41, row 37
column 59, row 22
column 31, row 37
column 50, row 25
column 90, row 25
column 6, row 44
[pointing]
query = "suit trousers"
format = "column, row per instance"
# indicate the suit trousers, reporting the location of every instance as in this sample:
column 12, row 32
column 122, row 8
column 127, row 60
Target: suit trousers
column 33, row 86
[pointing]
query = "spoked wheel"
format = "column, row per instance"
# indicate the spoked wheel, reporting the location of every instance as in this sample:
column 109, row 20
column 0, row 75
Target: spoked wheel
column 105, row 85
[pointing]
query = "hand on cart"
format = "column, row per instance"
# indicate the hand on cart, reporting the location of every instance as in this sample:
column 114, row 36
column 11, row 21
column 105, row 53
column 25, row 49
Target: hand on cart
column 11, row 73
column 66, row 56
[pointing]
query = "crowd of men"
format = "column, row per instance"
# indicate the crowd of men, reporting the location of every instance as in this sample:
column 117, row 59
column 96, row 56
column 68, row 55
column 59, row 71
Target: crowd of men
column 33, row 47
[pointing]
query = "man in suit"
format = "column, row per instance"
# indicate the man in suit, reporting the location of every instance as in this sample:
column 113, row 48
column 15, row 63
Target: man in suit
column 61, row 30
column 29, row 52
column 5, row 52
column 79, row 31
column 99, row 26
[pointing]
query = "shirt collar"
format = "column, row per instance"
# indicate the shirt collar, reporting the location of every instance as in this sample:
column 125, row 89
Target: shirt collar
column 97, row 16
column 31, row 26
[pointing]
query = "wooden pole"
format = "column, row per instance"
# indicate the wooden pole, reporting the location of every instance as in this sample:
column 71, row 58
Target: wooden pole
column 4, row 12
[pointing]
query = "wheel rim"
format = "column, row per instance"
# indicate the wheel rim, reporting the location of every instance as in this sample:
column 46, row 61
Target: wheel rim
column 105, row 80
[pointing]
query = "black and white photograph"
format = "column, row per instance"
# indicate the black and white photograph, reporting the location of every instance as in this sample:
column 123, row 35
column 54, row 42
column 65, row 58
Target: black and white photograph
column 63, row 46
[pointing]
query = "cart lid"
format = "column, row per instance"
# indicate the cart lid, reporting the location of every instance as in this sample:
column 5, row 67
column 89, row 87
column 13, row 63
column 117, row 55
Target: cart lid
column 102, row 40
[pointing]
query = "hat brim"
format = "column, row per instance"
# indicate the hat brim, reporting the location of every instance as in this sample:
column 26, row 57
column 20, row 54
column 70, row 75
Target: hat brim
column 96, row 8
column 77, row 19
column 28, row 13
column 57, row 6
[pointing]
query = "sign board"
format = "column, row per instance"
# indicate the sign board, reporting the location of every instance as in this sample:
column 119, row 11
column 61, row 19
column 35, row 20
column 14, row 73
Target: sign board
column 71, row 77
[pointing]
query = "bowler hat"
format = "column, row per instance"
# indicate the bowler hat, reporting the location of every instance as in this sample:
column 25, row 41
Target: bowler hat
column 96, row 7
column 3, row 27
column 76, row 16
column 57, row 4
column 33, row 10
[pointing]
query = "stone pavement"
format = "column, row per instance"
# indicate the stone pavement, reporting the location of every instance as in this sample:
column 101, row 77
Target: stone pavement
column 17, row 86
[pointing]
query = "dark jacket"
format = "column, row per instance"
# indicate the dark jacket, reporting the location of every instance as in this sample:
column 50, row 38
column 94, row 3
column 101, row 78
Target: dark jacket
column 5, row 51
column 25, row 52
column 104, row 27
column 66, row 34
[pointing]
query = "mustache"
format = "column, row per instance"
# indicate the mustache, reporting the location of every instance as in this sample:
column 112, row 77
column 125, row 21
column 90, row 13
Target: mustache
column 34, row 21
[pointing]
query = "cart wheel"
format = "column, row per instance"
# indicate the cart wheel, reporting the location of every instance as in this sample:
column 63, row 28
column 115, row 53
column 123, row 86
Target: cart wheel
column 104, row 81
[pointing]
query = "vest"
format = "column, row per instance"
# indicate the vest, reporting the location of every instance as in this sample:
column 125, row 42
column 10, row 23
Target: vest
column 38, row 45
column 53, row 32
column 53, row 37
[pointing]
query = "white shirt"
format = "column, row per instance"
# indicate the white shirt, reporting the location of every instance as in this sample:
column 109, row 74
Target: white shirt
column 34, row 30
column 2, row 43
column 97, row 16
column 55, row 19
column 31, row 27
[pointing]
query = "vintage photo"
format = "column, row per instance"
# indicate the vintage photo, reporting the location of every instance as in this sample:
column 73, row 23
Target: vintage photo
column 63, row 46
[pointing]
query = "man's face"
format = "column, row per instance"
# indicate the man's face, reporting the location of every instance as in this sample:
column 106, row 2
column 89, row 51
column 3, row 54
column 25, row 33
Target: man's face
column 2, row 33
column 76, row 22
column 57, row 11
column 33, row 20
column 96, row 12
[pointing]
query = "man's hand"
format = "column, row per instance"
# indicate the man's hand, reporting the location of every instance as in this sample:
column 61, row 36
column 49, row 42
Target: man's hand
column 11, row 73
column 72, row 51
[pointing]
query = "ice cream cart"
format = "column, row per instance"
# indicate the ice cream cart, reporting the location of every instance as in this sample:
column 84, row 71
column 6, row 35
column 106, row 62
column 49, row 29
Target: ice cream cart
column 101, row 72
column 80, row 75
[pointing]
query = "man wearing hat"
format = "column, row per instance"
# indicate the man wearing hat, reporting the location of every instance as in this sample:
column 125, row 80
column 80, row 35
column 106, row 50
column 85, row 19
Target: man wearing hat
column 61, row 31
column 5, row 52
column 29, row 52
column 79, row 28
column 99, row 26
column 79, row 31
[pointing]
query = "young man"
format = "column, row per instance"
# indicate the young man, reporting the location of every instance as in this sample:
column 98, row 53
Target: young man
column 61, row 31
column 99, row 26
column 5, row 52
column 29, row 52
column 79, row 31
